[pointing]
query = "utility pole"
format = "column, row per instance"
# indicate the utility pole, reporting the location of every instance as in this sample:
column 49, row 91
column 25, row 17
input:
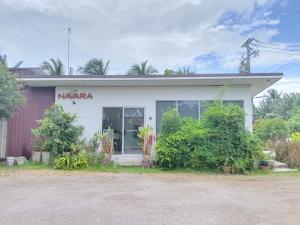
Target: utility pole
column 245, row 63
column 69, row 32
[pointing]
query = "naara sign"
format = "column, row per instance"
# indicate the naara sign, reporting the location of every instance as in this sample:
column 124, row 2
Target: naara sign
column 75, row 95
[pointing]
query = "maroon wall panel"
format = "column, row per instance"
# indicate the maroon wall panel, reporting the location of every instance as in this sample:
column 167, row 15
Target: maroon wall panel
column 19, row 137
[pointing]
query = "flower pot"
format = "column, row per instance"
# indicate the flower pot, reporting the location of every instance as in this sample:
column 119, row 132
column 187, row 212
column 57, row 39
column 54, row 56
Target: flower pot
column 21, row 160
column 10, row 160
column 36, row 155
column 226, row 169
column 264, row 167
column 106, row 158
column 146, row 163
column 107, row 148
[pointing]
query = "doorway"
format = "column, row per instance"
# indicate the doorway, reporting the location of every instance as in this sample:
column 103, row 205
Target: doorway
column 125, row 123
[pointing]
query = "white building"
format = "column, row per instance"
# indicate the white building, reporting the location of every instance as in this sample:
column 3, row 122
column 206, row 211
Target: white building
column 125, row 103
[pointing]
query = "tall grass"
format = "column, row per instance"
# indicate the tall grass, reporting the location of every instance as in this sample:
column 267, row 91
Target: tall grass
column 287, row 151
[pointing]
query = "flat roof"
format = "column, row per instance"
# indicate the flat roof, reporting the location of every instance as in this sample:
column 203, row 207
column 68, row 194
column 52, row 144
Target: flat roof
column 257, row 81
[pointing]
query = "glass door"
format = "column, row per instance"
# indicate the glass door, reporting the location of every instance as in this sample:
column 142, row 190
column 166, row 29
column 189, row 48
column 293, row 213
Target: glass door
column 113, row 119
column 133, row 119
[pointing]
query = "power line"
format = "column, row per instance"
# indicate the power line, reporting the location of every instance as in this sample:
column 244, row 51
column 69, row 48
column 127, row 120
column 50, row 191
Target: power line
column 286, row 58
column 284, row 53
column 279, row 44
column 282, row 49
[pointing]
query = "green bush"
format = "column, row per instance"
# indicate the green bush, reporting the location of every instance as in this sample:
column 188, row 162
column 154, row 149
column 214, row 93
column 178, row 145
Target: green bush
column 271, row 129
column 56, row 132
column 68, row 161
column 295, row 136
column 172, row 122
column 219, row 138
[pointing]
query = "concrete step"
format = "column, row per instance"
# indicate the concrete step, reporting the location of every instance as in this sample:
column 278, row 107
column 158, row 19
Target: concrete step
column 284, row 170
column 277, row 164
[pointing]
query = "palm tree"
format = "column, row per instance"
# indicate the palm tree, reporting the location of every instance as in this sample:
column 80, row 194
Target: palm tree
column 95, row 67
column 53, row 67
column 3, row 60
column 142, row 69
column 185, row 71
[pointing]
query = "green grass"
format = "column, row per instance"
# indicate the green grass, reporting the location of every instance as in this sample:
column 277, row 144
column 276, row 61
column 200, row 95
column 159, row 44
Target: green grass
column 140, row 170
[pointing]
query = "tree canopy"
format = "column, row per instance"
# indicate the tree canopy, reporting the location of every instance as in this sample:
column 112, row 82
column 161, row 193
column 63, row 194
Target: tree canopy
column 10, row 93
column 53, row 67
column 142, row 69
column 95, row 67
column 277, row 105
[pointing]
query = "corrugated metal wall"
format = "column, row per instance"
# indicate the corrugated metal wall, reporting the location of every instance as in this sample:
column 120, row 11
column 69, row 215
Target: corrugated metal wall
column 19, row 137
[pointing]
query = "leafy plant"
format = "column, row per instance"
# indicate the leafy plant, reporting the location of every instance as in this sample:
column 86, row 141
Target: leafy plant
column 146, row 139
column 57, row 132
column 219, row 138
column 10, row 93
column 271, row 129
column 68, row 161
column 171, row 122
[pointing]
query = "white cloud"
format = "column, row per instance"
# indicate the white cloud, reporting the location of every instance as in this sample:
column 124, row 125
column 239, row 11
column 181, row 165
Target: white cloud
column 167, row 33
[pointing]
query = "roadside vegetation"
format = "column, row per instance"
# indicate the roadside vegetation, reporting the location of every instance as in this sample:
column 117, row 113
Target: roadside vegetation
column 278, row 126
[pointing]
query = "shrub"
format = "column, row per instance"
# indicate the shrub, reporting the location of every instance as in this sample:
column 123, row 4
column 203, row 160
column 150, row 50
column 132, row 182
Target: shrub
column 219, row 138
column 287, row 151
column 57, row 131
column 172, row 122
column 295, row 136
column 68, row 161
column 271, row 129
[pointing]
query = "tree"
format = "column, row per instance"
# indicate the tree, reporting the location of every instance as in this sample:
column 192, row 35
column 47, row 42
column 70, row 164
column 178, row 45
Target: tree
column 185, row 71
column 10, row 93
column 142, row 69
column 56, row 131
column 169, row 72
column 95, row 67
column 3, row 60
column 53, row 67
column 181, row 71
column 277, row 105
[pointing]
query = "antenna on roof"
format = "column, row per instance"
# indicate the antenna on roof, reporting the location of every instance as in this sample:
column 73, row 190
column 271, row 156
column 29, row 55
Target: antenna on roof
column 69, row 32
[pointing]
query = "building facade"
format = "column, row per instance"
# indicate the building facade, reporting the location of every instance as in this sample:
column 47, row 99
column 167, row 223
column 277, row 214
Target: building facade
column 125, row 103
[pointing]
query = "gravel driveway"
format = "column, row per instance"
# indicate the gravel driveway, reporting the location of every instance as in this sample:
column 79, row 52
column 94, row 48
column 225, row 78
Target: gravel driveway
column 54, row 197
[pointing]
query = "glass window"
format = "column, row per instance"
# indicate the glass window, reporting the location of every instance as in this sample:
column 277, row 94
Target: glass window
column 188, row 109
column 162, row 107
column 237, row 102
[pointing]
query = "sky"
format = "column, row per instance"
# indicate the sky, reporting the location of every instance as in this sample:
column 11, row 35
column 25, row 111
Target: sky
column 204, row 35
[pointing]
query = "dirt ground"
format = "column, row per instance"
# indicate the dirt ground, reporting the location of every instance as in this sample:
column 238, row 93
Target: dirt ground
column 63, row 198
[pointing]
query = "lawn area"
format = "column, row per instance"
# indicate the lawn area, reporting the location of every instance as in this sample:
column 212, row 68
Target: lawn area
column 140, row 170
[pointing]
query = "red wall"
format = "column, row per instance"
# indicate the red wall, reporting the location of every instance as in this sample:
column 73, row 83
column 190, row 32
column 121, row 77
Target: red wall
column 19, row 137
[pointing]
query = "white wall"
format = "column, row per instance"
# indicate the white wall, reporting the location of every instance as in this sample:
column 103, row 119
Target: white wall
column 89, row 111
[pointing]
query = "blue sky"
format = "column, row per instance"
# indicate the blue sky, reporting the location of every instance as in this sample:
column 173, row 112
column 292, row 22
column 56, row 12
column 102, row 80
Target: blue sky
column 205, row 35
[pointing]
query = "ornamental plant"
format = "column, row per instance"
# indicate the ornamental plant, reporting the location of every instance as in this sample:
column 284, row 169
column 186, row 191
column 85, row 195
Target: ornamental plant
column 219, row 138
column 56, row 132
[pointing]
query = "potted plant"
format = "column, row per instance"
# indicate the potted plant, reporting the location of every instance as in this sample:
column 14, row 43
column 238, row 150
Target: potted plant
column 226, row 166
column 106, row 139
column 264, row 165
column 146, row 137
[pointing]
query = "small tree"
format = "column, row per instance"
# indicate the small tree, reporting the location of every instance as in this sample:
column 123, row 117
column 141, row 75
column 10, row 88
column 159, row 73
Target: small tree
column 10, row 93
column 56, row 132
column 271, row 129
